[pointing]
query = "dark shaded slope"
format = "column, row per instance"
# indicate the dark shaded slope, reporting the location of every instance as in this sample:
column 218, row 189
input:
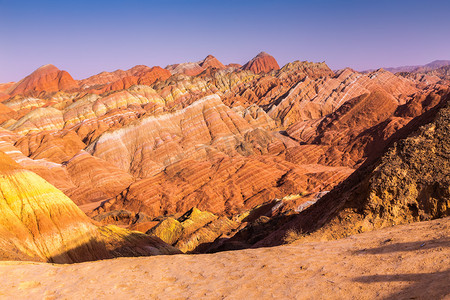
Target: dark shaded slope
column 409, row 182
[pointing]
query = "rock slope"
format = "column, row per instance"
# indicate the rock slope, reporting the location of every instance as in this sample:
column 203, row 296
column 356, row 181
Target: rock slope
column 401, row 262
column 408, row 183
column 140, row 146
column 263, row 62
column 38, row 222
column 46, row 79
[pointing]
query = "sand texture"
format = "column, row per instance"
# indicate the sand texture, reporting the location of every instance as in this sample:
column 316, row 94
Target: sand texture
column 401, row 262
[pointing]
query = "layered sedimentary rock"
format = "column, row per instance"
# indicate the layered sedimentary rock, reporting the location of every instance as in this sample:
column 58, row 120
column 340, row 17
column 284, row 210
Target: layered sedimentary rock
column 192, row 230
column 40, row 119
column 39, row 222
column 5, row 86
column 57, row 147
column 46, row 79
column 79, row 175
column 6, row 113
column 93, row 106
column 211, row 62
column 205, row 127
column 408, row 183
column 94, row 178
column 263, row 62
column 118, row 80
column 195, row 68
column 313, row 99
column 223, row 186
column 252, row 145
column 190, row 68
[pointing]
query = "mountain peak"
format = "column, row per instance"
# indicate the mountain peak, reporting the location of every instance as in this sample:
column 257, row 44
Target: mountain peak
column 45, row 69
column 263, row 62
column 46, row 78
column 211, row 62
column 262, row 54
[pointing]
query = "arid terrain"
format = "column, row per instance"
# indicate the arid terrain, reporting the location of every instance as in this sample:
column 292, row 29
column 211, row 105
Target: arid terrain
column 401, row 262
column 244, row 181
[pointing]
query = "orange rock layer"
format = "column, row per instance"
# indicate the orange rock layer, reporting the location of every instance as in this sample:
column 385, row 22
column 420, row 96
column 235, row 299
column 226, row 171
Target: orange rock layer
column 224, row 139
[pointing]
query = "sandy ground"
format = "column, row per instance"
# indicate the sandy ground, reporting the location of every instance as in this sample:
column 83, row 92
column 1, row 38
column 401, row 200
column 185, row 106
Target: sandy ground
column 402, row 262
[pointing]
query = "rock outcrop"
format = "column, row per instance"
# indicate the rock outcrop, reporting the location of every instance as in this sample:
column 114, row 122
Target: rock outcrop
column 118, row 80
column 145, row 148
column 190, row 68
column 139, row 148
column 408, row 183
column 38, row 222
column 46, row 79
column 263, row 62
column 211, row 62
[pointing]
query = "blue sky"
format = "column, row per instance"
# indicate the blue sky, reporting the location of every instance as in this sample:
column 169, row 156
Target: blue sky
column 87, row 37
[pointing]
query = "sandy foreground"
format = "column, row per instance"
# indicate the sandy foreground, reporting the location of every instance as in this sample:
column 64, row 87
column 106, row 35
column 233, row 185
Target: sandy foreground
column 402, row 262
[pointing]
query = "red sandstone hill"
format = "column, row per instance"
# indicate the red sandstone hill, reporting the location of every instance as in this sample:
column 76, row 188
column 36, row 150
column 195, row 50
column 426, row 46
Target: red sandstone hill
column 189, row 68
column 263, row 62
column 47, row 78
column 211, row 62
column 38, row 222
column 195, row 68
column 119, row 80
column 197, row 158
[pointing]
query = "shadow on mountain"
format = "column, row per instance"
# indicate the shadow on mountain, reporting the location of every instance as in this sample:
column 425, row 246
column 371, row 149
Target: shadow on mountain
column 112, row 244
column 86, row 251
column 352, row 195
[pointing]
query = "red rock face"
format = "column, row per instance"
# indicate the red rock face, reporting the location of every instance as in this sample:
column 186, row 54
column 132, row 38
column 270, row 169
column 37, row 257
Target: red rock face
column 47, row 78
column 234, row 66
column 263, row 62
column 211, row 62
column 119, row 80
column 227, row 140
column 190, row 69
column 38, row 222
column 4, row 87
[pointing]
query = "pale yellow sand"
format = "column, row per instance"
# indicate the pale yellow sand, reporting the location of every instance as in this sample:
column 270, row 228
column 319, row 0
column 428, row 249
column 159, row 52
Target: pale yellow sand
column 403, row 262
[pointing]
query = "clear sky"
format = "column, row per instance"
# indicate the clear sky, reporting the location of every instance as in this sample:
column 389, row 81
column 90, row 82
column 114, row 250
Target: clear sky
column 87, row 37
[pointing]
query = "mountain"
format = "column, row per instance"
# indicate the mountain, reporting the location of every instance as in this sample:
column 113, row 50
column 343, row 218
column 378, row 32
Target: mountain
column 190, row 68
column 47, row 78
column 119, row 80
column 38, row 222
column 436, row 64
column 263, row 62
column 195, row 68
column 406, row 183
column 211, row 62
column 210, row 157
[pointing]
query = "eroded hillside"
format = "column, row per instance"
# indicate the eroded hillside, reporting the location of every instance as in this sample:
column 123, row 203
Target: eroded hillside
column 209, row 157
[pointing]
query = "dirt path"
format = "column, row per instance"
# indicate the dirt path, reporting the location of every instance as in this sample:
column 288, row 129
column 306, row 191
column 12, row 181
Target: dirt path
column 403, row 262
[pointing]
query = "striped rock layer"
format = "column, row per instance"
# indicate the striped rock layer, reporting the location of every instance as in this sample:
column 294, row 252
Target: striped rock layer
column 137, row 146
column 38, row 222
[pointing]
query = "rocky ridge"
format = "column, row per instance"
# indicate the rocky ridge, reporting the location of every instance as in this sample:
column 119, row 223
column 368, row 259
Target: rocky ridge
column 138, row 147
column 38, row 222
